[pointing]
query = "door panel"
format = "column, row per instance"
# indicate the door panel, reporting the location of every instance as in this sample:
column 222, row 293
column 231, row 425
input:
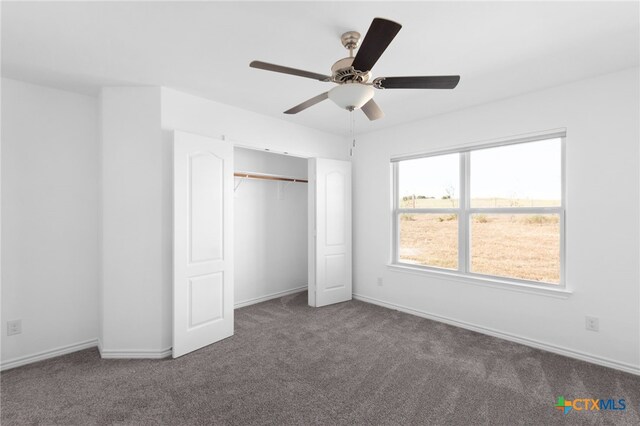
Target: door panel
column 334, row 189
column 206, row 235
column 335, row 267
column 206, row 296
column 203, row 250
column 330, row 278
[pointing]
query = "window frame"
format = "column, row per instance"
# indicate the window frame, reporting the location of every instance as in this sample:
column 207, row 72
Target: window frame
column 464, row 211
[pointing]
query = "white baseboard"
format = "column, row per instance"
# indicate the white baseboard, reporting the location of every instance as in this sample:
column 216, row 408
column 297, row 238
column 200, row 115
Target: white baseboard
column 142, row 354
column 51, row 353
column 269, row 297
column 135, row 354
column 123, row 353
column 147, row 354
column 605, row 362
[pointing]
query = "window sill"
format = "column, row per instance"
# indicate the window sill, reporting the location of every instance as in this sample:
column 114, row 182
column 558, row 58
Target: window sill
column 558, row 293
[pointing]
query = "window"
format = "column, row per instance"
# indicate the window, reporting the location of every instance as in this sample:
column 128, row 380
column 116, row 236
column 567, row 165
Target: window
column 491, row 211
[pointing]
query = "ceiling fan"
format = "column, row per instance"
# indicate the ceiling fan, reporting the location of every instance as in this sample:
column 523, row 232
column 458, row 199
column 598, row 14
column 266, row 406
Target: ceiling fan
column 352, row 74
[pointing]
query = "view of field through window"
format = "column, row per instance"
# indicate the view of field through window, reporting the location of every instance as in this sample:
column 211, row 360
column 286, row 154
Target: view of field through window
column 518, row 246
column 432, row 182
column 429, row 239
column 507, row 243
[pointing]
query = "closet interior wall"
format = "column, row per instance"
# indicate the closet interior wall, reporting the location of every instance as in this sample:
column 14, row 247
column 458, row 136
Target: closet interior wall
column 270, row 227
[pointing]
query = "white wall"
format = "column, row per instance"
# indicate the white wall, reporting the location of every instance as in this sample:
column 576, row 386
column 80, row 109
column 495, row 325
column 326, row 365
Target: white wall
column 49, row 220
column 193, row 114
column 136, row 227
column 270, row 219
column 136, row 287
column 602, row 117
column 259, row 161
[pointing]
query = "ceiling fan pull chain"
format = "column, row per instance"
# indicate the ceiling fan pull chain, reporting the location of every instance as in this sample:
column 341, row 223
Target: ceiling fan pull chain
column 353, row 132
column 353, row 128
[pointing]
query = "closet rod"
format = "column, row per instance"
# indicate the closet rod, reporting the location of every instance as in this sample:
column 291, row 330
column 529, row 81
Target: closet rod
column 248, row 175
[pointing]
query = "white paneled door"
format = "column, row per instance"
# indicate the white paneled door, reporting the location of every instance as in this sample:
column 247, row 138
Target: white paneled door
column 203, row 242
column 330, row 231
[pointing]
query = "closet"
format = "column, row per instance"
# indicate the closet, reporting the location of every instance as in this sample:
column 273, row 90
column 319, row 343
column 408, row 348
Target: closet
column 251, row 225
column 270, row 225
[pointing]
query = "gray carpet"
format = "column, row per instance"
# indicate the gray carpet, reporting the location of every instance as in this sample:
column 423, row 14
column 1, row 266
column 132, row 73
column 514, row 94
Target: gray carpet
column 351, row 363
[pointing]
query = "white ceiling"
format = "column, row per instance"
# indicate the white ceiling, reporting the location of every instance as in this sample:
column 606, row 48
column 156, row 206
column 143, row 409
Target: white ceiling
column 500, row 49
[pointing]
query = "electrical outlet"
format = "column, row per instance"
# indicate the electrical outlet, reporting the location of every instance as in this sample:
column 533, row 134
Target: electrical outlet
column 592, row 323
column 14, row 327
column 379, row 281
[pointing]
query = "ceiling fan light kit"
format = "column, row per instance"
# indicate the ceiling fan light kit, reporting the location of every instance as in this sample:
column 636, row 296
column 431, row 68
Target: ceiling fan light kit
column 352, row 74
column 351, row 96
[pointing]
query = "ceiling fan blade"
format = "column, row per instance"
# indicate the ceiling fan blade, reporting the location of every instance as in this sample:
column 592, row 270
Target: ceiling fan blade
column 433, row 82
column 378, row 37
column 287, row 70
column 372, row 110
column 308, row 103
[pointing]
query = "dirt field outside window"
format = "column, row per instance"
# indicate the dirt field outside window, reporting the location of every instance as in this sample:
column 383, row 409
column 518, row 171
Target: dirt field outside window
column 515, row 245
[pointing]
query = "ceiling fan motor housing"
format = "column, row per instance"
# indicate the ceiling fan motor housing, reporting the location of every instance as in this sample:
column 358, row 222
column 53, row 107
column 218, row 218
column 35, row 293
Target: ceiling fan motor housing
column 343, row 72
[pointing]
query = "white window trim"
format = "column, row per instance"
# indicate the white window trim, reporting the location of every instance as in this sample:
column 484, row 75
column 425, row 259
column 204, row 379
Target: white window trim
column 510, row 140
column 482, row 280
column 463, row 273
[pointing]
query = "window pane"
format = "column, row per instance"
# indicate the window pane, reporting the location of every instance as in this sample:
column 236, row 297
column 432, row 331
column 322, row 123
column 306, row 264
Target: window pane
column 429, row 182
column 523, row 246
column 521, row 175
column 429, row 239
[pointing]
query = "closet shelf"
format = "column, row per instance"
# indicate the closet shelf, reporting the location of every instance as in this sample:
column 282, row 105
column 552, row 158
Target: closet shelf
column 252, row 175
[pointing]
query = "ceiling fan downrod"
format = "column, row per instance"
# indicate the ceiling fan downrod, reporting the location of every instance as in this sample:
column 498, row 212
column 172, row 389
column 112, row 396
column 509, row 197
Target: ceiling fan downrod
column 351, row 41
